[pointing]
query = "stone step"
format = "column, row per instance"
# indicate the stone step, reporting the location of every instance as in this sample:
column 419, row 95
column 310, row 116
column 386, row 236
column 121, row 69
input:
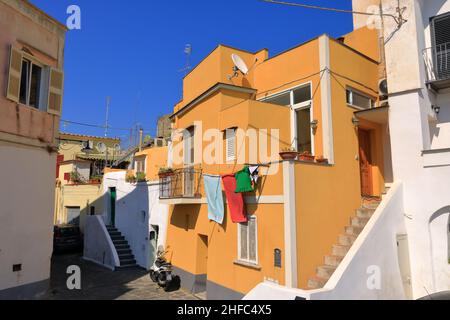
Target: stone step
column 353, row 230
column 126, row 257
column 325, row 272
column 122, row 247
column 120, row 243
column 126, row 263
column 347, row 239
column 124, row 251
column 114, row 233
column 365, row 213
column 316, row 283
column 333, row 261
column 359, row 222
column 339, row 250
column 117, row 238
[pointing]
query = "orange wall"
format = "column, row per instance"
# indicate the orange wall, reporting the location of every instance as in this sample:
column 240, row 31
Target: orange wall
column 327, row 196
column 156, row 158
column 222, row 246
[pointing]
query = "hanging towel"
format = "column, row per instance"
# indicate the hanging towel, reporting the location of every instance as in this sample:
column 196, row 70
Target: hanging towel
column 244, row 181
column 214, row 196
column 235, row 200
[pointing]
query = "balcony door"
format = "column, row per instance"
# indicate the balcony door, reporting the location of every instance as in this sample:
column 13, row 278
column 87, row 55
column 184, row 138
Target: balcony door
column 441, row 44
column 189, row 158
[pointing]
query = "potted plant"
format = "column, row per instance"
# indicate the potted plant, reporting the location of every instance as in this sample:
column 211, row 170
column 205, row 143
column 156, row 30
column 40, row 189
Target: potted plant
column 289, row 154
column 165, row 172
column 130, row 178
column 140, row 177
column 306, row 156
column 321, row 159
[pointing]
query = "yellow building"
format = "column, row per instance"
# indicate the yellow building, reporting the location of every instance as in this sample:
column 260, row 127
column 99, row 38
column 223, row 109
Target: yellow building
column 318, row 98
column 80, row 165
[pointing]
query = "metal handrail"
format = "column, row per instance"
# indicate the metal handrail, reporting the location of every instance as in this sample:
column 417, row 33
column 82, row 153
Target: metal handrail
column 180, row 183
column 437, row 62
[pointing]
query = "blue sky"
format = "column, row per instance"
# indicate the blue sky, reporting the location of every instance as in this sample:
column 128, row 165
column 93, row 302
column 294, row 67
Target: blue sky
column 133, row 50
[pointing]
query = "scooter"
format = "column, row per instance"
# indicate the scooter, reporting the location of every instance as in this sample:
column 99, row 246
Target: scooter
column 161, row 272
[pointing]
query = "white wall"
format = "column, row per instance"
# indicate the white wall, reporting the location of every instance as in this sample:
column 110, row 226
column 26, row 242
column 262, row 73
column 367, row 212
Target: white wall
column 26, row 214
column 137, row 209
column 426, row 175
column 98, row 246
column 375, row 247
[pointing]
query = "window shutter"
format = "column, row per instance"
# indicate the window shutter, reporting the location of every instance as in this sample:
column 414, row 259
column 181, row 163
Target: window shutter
column 230, row 138
column 55, row 91
column 442, row 29
column 15, row 70
column 243, row 245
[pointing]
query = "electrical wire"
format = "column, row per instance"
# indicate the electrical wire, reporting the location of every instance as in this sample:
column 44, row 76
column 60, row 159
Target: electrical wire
column 398, row 19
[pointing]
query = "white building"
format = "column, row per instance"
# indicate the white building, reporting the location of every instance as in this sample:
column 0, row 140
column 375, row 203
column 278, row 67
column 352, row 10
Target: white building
column 416, row 211
column 31, row 83
column 418, row 76
column 134, row 210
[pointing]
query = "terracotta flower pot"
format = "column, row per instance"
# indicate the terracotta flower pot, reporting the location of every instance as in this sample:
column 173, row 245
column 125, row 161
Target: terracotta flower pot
column 289, row 155
column 308, row 158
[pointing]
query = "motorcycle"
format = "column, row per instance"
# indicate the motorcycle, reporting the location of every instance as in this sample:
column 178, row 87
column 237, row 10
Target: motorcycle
column 161, row 272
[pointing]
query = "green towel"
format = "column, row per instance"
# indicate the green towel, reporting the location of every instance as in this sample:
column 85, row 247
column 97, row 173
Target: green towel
column 244, row 181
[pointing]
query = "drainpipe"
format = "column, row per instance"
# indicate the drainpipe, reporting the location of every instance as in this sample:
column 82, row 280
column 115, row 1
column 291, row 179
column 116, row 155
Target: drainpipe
column 290, row 225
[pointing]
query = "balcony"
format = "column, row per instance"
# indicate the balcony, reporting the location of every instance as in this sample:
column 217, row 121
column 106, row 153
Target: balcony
column 437, row 64
column 182, row 186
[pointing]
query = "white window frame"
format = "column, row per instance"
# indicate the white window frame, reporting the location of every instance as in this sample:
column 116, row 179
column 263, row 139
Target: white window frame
column 230, row 134
column 350, row 103
column 247, row 260
column 189, row 146
column 44, row 85
column 296, row 107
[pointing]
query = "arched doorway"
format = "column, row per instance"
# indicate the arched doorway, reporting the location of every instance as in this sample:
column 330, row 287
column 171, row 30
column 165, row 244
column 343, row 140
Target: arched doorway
column 439, row 230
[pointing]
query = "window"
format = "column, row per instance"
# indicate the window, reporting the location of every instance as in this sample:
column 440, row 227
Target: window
column 31, row 84
column 140, row 165
column 230, row 144
column 359, row 100
column 188, row 138
column 34, row 84
column 281, row 100
column 299, row 99
column 441, row 42
column 303, row 126
column 248, row 241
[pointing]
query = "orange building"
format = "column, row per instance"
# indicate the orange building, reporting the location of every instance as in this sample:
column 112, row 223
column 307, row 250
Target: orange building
column 319, row 98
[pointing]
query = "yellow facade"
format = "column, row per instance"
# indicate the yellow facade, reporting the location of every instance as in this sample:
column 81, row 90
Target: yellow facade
column 326, row 196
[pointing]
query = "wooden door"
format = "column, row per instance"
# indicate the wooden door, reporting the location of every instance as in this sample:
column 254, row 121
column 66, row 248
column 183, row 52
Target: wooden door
column 365, row 160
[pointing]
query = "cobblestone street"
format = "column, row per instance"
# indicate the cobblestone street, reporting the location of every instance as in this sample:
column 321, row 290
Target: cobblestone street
column 98, row 283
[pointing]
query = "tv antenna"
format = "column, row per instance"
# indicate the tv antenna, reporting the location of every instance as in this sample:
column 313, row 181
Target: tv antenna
column 108, row 101
column 188, row 52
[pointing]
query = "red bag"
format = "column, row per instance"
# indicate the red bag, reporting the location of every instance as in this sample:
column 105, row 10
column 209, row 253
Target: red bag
column 235, row 200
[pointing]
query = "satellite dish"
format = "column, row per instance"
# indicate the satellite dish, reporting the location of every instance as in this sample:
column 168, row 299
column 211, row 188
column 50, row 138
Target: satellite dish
column 239, row 64
column 101, row 147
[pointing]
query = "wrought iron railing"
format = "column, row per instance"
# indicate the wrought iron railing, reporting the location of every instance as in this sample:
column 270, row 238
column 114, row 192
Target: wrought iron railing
column 180, row 183
column 437, row 62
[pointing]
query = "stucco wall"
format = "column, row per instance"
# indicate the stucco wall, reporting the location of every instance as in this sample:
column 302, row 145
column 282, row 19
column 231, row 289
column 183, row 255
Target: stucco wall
column 83, row 196
column 137, row 211
column 350, row 281
column 98, row 246
column 26, row 214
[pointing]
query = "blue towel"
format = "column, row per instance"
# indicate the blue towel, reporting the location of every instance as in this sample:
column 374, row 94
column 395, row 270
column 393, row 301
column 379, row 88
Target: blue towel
column 213, row 189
